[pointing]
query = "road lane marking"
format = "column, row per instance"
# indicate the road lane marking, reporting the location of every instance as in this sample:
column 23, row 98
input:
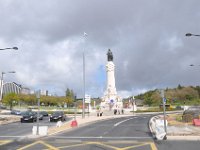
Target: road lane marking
column 100, row 137
column 122, row 122
column 39, row 142
column 103, row 144
column 10, row 136
column 69, row 146
column 136, row 144
column 153, row 146
column 90, row 143
column 3, row 142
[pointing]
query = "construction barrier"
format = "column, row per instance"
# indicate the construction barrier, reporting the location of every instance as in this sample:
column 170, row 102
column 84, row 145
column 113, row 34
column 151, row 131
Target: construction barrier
column 42, row 130
column 74, row 123
column 157, row 128
column 196, row 122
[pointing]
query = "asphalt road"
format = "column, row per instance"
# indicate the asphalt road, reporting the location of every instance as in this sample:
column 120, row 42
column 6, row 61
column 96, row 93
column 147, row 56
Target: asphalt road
column 113, row 134
column 19, row 130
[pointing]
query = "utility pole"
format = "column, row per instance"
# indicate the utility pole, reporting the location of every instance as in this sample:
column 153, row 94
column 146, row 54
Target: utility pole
column 164, row 111
column 38, row 115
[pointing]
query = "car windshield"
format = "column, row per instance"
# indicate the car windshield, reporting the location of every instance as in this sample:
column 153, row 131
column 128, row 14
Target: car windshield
column 57, row 113
column 26, row 113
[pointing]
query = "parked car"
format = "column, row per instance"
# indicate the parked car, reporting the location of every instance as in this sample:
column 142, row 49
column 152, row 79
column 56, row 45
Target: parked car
column 191, row 113
column 2, row 107
column 44, row 113
column 15, row 112
column 28, row 116
column 57, row 116
column 40, row 115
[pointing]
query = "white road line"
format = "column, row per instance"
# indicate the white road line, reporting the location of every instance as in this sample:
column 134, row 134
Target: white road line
column 12, row 136
column 100, row 137
column 122, row 122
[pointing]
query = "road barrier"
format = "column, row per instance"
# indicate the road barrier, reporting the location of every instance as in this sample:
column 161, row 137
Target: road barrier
column 74, row 123
column 156, row 126
column 59, row 124
column 196, row 122
column 43, row 130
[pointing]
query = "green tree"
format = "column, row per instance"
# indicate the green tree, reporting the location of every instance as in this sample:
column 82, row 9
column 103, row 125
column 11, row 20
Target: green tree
column 148, row 99
column 179, row 87
column 69, row 98
column 11, row 100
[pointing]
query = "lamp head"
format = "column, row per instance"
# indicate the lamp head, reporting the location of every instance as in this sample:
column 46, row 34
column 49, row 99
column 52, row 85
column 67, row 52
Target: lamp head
column 188, row 34
column 15, row 48
column 11, row 72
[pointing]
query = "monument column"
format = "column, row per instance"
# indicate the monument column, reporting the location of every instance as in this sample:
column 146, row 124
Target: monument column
column 110, row 100
column 110, row 69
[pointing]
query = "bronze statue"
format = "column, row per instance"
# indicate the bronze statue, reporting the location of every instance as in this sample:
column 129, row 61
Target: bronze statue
column 110, row 55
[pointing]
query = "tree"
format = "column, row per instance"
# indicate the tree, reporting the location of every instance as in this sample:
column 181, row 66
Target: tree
column 179, row 87
column 11, row 99
column 148, row 99
column 69, row 98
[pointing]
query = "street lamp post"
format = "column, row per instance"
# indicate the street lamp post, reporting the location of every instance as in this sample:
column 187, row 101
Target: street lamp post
column 190, row 34
column 1, row 90
column 83, row 104
column 38, row 100
column 164, row 111
column 14, row 48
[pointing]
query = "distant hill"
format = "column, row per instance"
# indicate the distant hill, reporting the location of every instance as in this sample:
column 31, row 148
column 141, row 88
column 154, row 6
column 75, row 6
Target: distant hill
column 180, row 95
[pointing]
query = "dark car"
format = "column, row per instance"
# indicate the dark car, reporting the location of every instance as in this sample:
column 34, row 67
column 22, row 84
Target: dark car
column 57, row 116
column 2, row 107
column 44, row 113
column 191, row 113
column 28, row 116
column 40, row 115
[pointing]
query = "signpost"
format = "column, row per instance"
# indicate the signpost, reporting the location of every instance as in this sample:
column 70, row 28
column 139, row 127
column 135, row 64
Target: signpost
column 88, row 100
column 164, row 113
column 38, row 98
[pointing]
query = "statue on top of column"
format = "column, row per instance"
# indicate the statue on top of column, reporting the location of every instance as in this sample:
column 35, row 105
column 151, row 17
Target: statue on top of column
column 110, row 55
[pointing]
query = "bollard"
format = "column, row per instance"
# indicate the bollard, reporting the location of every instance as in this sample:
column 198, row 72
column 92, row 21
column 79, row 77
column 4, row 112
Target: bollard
column 74, row 123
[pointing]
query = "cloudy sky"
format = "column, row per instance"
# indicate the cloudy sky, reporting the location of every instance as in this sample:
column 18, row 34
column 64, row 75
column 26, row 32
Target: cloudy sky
column 147, row 38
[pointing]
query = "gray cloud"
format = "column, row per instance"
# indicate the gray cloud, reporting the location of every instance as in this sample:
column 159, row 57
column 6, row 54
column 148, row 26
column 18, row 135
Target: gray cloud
column 146, row 37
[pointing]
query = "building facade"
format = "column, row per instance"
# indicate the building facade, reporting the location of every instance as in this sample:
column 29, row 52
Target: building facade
column 12, row 87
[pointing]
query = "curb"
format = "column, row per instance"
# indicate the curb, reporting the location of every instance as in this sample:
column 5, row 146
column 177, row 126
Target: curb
column 186, row 138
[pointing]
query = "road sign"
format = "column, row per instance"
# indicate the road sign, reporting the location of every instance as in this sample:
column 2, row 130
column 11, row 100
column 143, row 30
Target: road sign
column 164, row 100
column 87, row 99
